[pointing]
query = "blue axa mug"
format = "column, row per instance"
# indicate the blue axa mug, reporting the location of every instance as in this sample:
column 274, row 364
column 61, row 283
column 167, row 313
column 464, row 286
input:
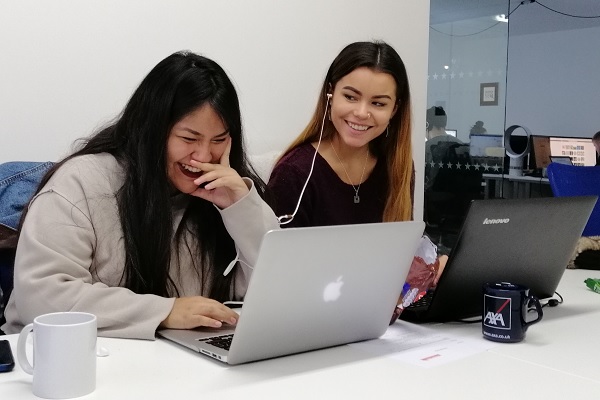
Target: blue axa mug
column 505, row 308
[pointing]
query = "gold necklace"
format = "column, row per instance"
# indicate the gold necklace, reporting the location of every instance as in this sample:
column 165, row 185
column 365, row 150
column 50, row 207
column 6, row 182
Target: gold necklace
column 356, row 189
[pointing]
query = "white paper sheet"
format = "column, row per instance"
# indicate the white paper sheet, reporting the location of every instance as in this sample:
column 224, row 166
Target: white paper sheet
column 422, row 346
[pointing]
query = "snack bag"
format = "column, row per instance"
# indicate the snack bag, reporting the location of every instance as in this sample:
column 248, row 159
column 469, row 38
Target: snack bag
column 420, row 277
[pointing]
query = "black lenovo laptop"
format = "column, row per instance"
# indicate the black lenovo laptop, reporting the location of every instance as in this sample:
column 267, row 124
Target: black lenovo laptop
column 528, row 242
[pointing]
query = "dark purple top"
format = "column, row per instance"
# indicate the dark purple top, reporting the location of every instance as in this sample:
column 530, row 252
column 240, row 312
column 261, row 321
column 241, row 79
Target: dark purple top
column 327, row 200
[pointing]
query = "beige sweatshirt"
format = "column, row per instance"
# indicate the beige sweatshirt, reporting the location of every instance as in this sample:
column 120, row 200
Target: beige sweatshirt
column 70, row 255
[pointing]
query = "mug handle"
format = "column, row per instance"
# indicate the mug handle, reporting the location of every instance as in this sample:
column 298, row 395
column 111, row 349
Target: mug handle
column 21, row 352
column 538, row 309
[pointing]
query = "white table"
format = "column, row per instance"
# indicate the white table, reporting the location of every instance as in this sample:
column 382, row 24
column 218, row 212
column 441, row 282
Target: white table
column 557, row 360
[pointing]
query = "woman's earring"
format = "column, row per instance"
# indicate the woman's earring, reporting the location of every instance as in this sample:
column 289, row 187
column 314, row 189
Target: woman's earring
column 387, row 131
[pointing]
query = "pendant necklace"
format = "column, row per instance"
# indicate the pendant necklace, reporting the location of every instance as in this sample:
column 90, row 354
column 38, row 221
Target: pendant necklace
column 356, row 189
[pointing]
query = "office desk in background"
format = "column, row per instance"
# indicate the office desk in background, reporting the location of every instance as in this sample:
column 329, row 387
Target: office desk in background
column 515, row 187
column 557, row 360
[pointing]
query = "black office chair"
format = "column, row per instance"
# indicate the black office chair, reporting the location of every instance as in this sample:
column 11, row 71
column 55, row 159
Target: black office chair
column 454, row 183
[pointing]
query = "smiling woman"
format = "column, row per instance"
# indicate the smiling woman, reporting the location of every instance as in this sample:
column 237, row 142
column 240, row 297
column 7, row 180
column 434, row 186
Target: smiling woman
column 123, row 228
column 358, row 143
column 353, row 163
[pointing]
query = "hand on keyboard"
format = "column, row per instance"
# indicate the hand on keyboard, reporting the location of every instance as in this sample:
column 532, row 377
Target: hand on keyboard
column 192, row 312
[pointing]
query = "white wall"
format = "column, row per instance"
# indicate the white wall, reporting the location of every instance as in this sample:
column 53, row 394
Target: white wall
column 69, row 66
column 554, row 82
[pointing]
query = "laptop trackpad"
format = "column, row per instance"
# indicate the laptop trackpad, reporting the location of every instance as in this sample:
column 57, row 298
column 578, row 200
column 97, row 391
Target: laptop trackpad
column 202, row 333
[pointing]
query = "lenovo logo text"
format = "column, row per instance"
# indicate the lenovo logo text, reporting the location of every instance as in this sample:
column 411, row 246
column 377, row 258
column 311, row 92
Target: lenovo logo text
column 488, row 221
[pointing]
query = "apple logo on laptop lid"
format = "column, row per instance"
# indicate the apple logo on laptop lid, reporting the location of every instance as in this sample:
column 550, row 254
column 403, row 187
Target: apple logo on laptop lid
column 333, row 290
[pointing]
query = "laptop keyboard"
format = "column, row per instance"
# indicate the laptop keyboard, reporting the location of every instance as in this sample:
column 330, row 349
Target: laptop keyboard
column 223, row 342
column 423, row 302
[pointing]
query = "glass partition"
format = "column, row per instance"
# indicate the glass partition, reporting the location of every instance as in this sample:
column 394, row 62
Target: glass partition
column 466, row 112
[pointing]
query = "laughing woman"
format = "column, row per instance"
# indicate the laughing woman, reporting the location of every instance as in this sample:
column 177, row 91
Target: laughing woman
column 138, row 226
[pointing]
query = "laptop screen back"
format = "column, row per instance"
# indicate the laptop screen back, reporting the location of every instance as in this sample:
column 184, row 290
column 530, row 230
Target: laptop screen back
column 317, row 287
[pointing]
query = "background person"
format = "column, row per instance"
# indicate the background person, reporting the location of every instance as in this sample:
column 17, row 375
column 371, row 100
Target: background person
column 478, row 129
column 122, row 228
column 436, row 120
column 596, row 142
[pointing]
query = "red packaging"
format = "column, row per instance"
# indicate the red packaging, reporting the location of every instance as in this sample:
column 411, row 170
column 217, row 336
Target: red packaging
column 423, row 270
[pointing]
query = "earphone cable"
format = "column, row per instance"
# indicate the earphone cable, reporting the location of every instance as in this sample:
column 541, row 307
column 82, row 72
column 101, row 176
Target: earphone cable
column 234, row 261
column 287, row 218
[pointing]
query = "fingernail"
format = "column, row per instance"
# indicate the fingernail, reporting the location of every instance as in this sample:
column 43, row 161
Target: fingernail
column 233, row 321
column 217, row 324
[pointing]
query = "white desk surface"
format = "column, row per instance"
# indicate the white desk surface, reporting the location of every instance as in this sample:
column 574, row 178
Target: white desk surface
column 557, row 360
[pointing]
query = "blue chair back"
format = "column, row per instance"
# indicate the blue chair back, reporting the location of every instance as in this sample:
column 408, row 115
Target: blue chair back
column 570, row 180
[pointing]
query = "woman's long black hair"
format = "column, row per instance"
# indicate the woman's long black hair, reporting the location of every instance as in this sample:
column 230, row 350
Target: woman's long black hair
column 178, row 85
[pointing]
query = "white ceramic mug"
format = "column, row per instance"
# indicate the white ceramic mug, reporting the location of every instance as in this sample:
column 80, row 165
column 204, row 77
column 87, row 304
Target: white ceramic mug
column 64, row 354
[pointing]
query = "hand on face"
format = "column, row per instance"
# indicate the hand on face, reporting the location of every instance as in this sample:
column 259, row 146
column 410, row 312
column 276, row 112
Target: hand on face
column 192, row 312
column 224, row 186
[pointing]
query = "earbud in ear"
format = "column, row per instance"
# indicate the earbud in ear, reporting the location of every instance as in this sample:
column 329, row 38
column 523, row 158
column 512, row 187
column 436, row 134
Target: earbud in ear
column 329, row 95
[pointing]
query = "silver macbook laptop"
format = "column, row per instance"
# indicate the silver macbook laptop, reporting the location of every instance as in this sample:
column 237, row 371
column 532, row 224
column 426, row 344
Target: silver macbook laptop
column 528, row 242
column 314, row 288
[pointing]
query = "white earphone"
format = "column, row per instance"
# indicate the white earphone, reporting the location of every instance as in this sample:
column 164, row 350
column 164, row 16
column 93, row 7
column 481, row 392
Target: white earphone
column 287, row 218
column 234, row 261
